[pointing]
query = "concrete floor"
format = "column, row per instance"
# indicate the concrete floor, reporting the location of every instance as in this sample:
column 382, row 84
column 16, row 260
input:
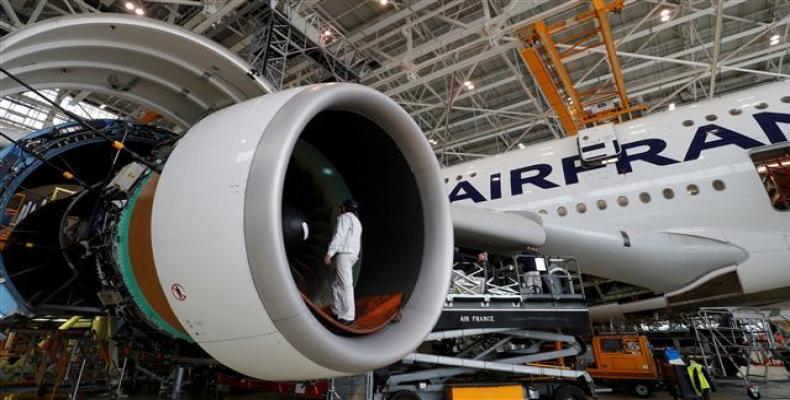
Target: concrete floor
column 770, row 390
column 773, row 390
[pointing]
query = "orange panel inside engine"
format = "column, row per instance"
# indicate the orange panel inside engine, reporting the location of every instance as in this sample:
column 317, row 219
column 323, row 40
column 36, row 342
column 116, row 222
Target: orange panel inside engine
column 373, row 314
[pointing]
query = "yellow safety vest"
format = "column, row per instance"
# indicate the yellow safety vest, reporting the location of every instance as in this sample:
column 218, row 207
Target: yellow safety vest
column 695, row 370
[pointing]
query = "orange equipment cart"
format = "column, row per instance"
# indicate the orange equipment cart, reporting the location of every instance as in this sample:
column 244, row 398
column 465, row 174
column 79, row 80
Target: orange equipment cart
column 624, row 360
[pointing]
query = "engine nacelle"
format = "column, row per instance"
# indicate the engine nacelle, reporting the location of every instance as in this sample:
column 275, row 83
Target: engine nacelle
column 236, row 284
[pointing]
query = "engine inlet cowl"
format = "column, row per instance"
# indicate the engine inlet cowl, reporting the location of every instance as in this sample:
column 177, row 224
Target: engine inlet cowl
column 250, row 294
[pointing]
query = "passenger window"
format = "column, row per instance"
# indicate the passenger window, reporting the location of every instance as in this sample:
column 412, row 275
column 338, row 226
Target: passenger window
column 459, row 177
column 719, row 185
column 622, row 201
column 761, row 106
column 711, row 117
column 645, row 197
column 612, row 345
column 736, row 111
column 543, row 212
column 692, row 189
column 773, row 168
column 446, row 180
column 581, row 208
column 562, row 211
column 601, row 204
column 786, row 99
column 688, row 123
column 669, row 194
column 473, row 174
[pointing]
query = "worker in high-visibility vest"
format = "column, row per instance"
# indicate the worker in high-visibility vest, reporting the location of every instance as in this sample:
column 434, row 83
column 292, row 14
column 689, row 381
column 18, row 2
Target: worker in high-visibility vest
column 698, row 379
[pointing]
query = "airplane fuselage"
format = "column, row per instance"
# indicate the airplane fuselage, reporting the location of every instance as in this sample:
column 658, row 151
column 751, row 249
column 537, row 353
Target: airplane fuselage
column 688, row 172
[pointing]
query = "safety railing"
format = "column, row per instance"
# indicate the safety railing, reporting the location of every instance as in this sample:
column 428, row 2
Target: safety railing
column 520, row 278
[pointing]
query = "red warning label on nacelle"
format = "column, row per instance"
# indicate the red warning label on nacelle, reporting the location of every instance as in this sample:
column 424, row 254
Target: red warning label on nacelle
column 178, row 291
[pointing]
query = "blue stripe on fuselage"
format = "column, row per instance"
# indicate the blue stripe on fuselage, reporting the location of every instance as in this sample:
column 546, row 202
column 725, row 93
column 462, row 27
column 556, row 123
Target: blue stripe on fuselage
column 649, row 150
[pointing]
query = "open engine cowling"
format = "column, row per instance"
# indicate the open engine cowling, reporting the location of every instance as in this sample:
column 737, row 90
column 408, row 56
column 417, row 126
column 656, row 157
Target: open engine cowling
column 242, row 175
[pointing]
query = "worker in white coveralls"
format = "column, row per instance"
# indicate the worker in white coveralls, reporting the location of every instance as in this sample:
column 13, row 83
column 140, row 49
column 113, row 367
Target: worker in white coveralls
column 344, row 249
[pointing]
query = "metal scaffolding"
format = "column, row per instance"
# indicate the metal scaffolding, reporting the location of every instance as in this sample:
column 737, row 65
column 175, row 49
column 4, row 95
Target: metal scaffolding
column 548, row 47
column 291, row 33
column 731, row 341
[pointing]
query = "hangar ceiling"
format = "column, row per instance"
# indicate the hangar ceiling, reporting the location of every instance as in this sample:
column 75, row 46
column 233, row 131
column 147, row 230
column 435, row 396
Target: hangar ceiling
column 422, row 52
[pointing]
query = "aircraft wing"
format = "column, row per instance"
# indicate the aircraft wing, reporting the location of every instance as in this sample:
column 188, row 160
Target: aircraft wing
column 660, row 261
column 496, row 231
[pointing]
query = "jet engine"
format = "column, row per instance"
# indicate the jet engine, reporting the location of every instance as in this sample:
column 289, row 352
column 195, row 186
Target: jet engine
column 248, row 291
column 225, row 248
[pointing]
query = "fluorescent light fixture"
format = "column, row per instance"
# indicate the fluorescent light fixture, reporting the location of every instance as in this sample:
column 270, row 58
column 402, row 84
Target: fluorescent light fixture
column 469, row 85
column 129, row 5
column 775, row 40
column 433, row 141
column 671, row 106
column 139, row 11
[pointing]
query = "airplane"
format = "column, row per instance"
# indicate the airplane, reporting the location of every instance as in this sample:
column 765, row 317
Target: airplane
column 213, row 258
column 690, row 203
column 227, row 253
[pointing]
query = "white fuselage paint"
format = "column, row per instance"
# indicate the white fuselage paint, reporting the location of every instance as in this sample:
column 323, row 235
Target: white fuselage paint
column 740, row 215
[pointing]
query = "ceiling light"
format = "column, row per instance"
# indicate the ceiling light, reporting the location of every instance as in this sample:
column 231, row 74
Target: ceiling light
column 103, row 106
column 665, row 18
column 521, row 145
column 469, row 85
column 139, row 11
column 665, row 11
column 671, row 106
column 383, row 2
column 327, row 33
column 129, row 5
column 432, row 141
column 775, row 40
